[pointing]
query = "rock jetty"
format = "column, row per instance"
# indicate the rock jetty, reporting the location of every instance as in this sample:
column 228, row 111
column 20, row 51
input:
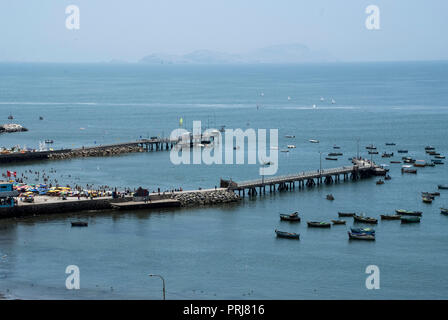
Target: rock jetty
column 95, row 152
column 205, row 197
column 12, row 127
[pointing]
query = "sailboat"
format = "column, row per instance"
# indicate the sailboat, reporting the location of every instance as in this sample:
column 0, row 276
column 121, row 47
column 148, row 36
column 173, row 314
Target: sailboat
column 333, row 101
column 314, row 106
column 322, row 99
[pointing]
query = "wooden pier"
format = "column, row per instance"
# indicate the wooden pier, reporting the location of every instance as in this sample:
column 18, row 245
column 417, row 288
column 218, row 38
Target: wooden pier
column 360, row 169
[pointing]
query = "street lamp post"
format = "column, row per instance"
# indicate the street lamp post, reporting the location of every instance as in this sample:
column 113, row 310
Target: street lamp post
column 163, row 282
column 320, row 162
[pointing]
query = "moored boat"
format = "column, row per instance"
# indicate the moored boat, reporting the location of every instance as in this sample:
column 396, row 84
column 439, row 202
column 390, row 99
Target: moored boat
column 442, row 187
column 444, row 211
column 346, row 214
column 402, row 151
column 390, row 217
column 365, row 219
column 331, row 158
column 380, row 182
column 362, row 230
column 408, row 213
column 390, row 143
column 395, row 162
column 360, row 236
column 330, row 197
column 426, row 199
column 288, row 235
column 290, row 217
column 439, row 157
column 410, row 219
column 79, row 224
column 313, row 141
column 318, row 224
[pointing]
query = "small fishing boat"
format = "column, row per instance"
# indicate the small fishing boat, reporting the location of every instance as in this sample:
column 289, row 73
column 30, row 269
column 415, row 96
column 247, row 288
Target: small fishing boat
column 373, row 152
column 426, row 199
column 405, row 170
column 395, row 162
column 390, row 143
column 402, row 151
column 318, row 224
column 346, row 214
column 291, row 146
column 380, row 182
column 388, row 177
column 49, row 141
column 336, row 147
column 390, row 217
column 408, row 213
column 436, row 161
column 410, row 219
column 439, row 157
column 360, row 236
column 330, row 197
column 313, row 141
column 288, row 235
column 430, row 164
column 335, row 154
column 363, row 219
column 428, row 195
column 371, row 147
column 338, row 221
column 330, row 158
column 362, row 230
column 41, row 118
column 387, row 155
column 429, row 148
column 441, row 186
column 434, row 194
column 290, row 217
column 10, row 117
column 289, row 136
column 420, row 163
column 79, row 224
column 286, row 150
column 444, row 211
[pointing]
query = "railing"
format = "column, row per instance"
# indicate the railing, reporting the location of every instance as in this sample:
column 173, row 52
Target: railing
column 300, row 176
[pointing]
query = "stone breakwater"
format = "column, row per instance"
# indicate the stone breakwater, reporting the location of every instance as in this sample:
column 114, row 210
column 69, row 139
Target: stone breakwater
column 95, row 152
column 205, row 197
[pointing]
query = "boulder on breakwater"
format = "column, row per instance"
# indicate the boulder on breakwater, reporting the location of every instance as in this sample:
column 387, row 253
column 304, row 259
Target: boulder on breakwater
column 95, row 152
column 205, row 197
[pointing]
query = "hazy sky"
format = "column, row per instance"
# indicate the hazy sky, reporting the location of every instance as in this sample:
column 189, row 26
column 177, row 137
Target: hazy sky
column 129, row 30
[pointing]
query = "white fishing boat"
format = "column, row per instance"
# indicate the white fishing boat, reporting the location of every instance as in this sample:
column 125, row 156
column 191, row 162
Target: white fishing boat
column 291, row 146
column 313, row 141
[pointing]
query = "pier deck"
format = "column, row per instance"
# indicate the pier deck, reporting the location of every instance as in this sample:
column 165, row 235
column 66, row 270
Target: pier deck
column 361, row 168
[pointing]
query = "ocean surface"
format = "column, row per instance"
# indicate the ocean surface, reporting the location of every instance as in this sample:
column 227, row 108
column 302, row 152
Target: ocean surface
column 230, row 251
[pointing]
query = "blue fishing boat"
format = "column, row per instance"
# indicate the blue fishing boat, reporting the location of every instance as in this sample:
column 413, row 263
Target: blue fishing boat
column 362, row 230
column 288, row 235
column 360, row 236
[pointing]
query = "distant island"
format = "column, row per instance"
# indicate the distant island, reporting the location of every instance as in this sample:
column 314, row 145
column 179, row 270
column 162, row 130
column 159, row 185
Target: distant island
column 276, row 54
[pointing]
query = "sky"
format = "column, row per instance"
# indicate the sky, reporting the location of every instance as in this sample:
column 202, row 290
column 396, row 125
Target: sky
column 35, row 31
